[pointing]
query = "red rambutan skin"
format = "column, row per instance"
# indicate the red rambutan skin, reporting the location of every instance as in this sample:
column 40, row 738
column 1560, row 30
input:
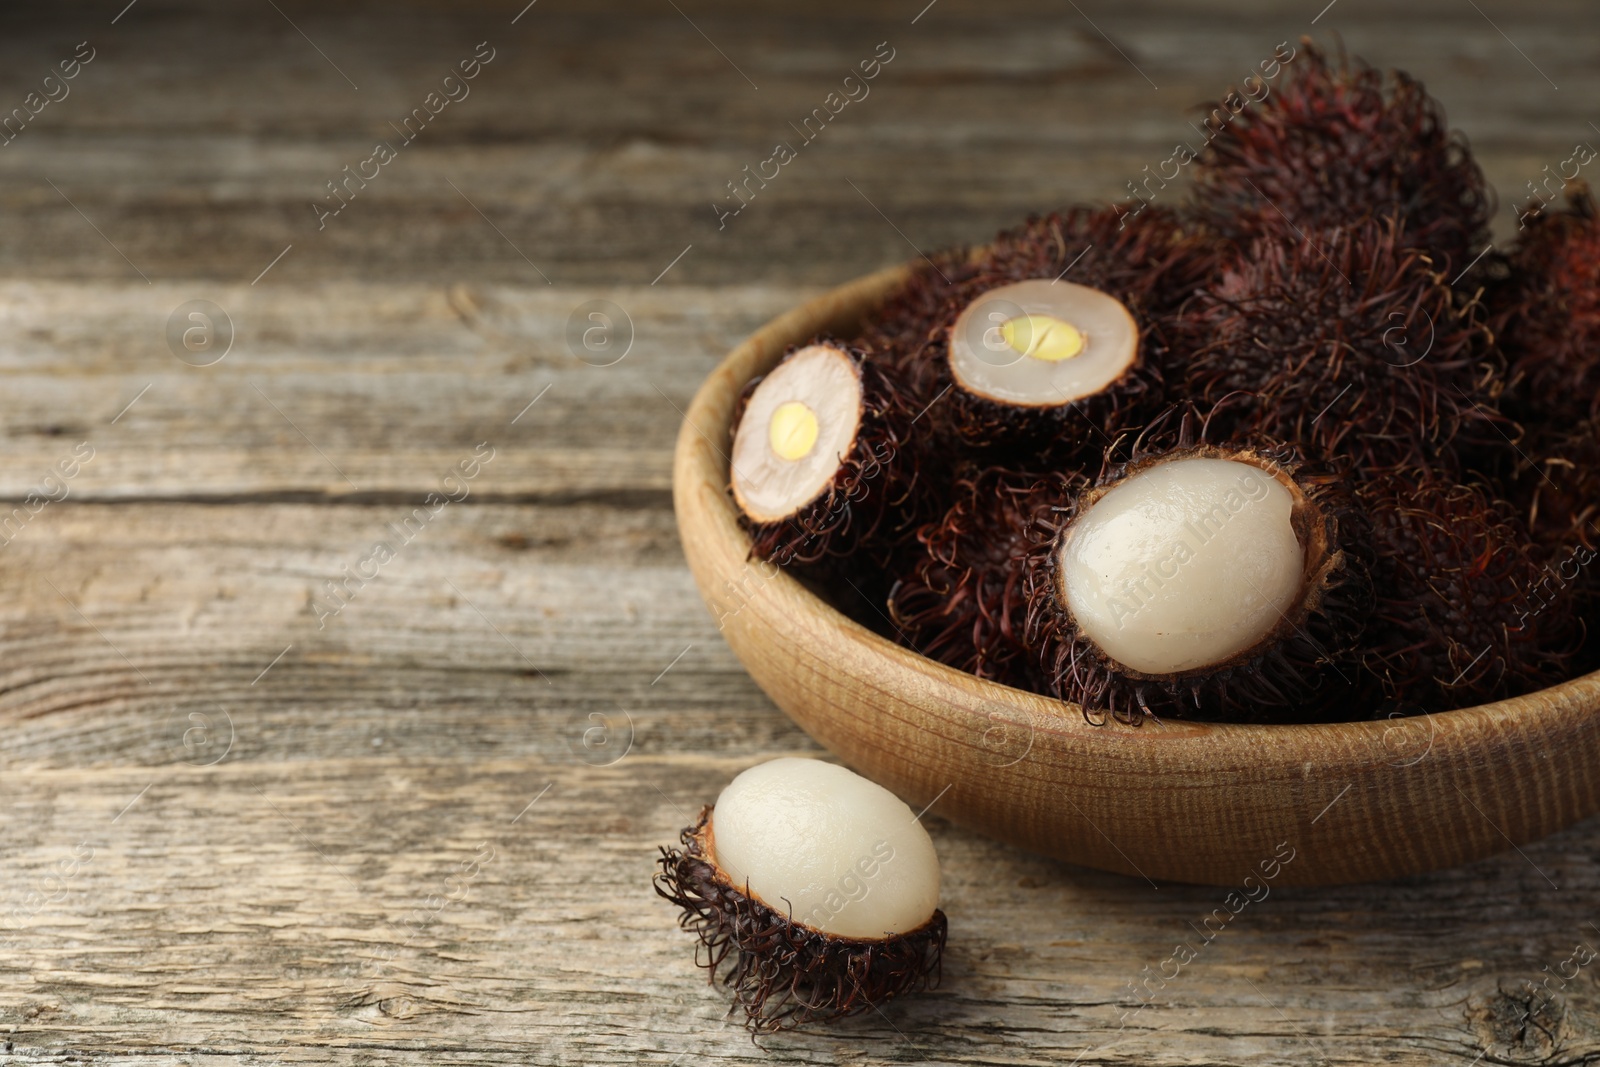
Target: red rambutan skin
column 1328, row 147
column 1468, row 610
column 1547, row 313
column 961, row 602
column 1355, row 348
column 1151, row 265
column 873, row 503
column 1305, row 670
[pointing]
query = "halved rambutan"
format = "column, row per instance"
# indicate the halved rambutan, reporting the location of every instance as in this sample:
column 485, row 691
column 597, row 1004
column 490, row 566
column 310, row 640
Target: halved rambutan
column 961, row 601
column 1044, row 365
column 821, row 463
column 1549, row 314
column 1226, row 581
column 1353, row 346
column 1466, row 610
column 1087, row 282
column 1328, row 147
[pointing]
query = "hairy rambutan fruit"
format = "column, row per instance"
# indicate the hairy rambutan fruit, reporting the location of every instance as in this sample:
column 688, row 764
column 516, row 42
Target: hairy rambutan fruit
column 821, row 464
column 1065, row 266
column 1218, row 580
column 961, row 601
column 812, row 890
column 1549, row 314
column 1468, row 609
column 1556, row 493
column 1356, row 349
column 1328, row 148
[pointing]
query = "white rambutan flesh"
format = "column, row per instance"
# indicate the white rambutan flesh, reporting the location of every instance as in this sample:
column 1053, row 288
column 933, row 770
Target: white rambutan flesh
column 1183, row 565
column 821, row 844
column 800, row 424
column 1042, row 343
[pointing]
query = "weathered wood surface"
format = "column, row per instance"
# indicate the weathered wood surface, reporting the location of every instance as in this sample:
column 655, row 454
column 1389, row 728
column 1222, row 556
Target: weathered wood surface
column 234, row 836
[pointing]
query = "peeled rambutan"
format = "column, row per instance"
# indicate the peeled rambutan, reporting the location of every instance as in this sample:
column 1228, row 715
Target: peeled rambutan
column 1549, row 314
column 1466, row 611
column 961, row 602
column 812, row 891
column 1050, row 338
column 821, row 463
column 1328, row 147
column 1354, row 347
column 1223, row 581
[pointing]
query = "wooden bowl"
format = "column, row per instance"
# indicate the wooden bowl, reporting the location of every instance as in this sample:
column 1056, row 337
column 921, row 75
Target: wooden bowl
column 1191, row 802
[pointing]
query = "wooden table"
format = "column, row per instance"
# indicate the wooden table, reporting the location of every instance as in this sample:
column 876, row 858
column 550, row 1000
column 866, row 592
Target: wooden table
column 251, row 821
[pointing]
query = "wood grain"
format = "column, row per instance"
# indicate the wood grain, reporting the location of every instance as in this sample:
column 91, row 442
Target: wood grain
column 279, row 904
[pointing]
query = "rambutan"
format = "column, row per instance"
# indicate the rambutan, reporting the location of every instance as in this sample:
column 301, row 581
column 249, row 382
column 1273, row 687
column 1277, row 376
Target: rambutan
column 1548, row 314
column 1329, row 148
column 961, row 602
column 812, row 891
column 1226, row 581
column 1355, row 348
column 1049, row 339
column 1468, row 610
column 821, row 462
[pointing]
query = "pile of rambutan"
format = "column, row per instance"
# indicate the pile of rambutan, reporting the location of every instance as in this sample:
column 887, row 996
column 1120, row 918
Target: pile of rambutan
column 1300, row 449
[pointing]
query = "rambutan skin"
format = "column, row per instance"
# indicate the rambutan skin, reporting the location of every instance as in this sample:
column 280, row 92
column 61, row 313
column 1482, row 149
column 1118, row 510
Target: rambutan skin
column 961, row 601
column 1468, row 609
column 873, row 502
column 1303, row 670
column 782, row 974
column 1547, row 313
column 1353, row 346
column 1555, row 486
column 1328, row 147
column 1151, row 264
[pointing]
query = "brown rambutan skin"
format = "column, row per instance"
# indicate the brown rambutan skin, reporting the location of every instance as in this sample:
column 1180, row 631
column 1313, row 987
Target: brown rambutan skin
column 783, row 974
column 1353, row 346
column 1150, row 263
column 1328, row 147
column 1468, row 609
column 874, row 502
column 1547, row 313
column 961, row 601
column 1304, row 670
